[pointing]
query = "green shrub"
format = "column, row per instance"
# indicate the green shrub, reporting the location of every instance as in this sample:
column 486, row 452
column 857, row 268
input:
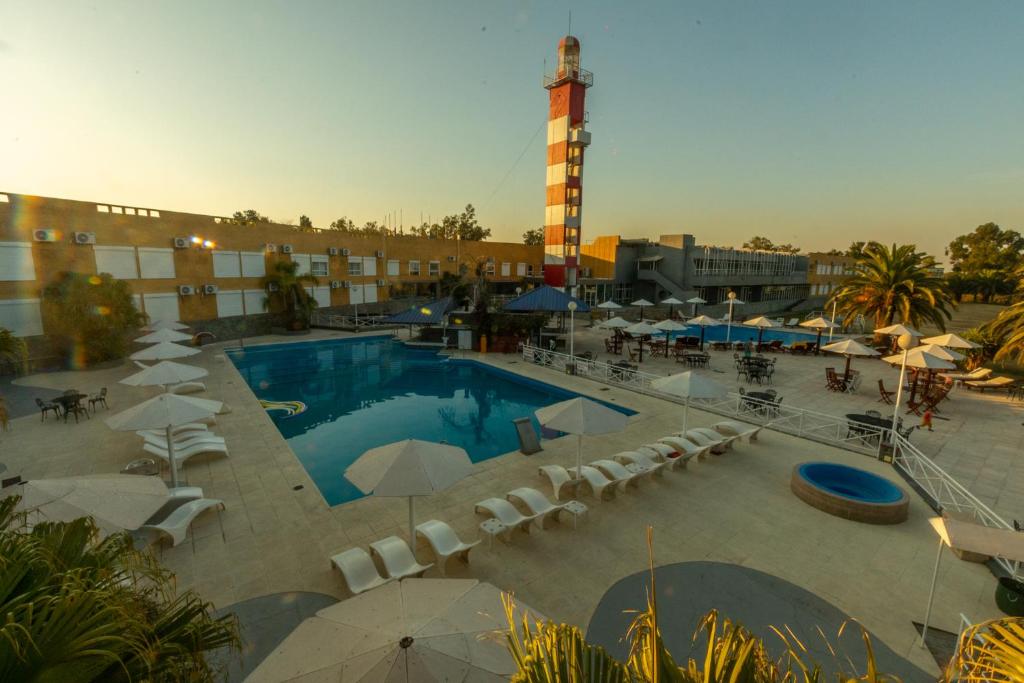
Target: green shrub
column 89, row 318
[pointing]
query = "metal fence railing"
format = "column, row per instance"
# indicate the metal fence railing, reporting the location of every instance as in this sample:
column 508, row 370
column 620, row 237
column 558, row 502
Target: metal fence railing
column 347, row 322
column 938, row 487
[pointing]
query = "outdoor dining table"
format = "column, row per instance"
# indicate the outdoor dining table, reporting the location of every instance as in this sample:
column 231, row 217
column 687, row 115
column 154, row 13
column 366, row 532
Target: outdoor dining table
column 871, row 420
column 68, row 400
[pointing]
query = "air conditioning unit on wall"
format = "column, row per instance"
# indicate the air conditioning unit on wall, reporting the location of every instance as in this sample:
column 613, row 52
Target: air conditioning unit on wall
column 186, row 290
column 335, row 284
column 332, row 251
column 44, row 235
column 83, row 237
column 181, row 243
column 345, row 284
column 209, row 289
column 382, row 283
column 345, row 252
column 272, row 248
column 379, row 254
column 451, row 259
column 286, row 248
column 272, row 287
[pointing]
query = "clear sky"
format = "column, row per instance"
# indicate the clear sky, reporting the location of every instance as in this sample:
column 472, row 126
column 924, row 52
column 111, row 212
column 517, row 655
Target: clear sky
column 813, row 122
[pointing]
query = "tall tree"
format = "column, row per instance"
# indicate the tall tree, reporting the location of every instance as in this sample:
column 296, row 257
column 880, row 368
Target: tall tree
column 759, row 243
column 305, row 222
column 893, row 284
column 989, row 247
column 465, row 226
column 534, row 237
column 80, row 609
column 12, row 349
column 249, row 217
column 343, row 224
column 290, row 296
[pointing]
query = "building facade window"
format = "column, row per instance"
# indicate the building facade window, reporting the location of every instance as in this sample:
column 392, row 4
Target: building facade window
column 319, row 266
column 394, row 268
column 414, row 267
column 355, row 266
column 434, row 268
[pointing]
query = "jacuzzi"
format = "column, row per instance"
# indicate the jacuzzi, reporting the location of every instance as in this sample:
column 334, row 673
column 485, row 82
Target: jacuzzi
column 850, row 492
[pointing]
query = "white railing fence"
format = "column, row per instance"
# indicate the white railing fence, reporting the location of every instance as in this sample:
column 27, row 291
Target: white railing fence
column 943, row 491
column 339, row 321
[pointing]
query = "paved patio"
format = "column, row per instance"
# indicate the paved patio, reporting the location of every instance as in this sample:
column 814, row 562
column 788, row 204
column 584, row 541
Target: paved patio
column 277, row 533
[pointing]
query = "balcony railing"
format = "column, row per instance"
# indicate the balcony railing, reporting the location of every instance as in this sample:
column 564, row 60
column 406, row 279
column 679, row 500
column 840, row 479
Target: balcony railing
column 576, row 74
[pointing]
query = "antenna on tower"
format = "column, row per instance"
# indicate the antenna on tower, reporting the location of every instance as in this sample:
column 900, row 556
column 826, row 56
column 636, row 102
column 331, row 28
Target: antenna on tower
column 570, row 24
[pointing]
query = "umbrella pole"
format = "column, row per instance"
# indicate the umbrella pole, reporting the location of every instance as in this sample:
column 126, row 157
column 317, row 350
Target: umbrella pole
column 931, row 595
column 579, row 464
column 817, row 345
column 701, row 335
column 686, row 411
column 412, row 522
column 846, row 372
column 170, row 459
column 899, row 393
column 760, row 335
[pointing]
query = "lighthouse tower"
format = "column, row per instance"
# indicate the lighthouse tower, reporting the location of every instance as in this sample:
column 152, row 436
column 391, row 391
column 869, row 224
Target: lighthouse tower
column 567, row 88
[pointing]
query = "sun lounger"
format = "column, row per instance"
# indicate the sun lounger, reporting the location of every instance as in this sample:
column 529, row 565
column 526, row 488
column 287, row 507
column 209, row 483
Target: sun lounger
column 185, row 440
column 647, row 460
column 506, row 513
column 187, row 388
column 176, row 524
column 975, row 375
column 183, row 454
column 186, row 492
column 737, row 429
column 444, row 542
column 399, row 562
column 662, row 452
column 359, row 571
column 685, row 448
column 601, row 486
column 792, row 322
column 715, row 443
column 561, row 481
column 994, row 383
column 620, row 473
column 537, row 503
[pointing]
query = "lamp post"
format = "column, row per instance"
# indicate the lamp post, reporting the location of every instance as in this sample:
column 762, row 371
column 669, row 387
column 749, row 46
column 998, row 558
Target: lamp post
column 728, row 330
column 834, row 304
column 572, row 335
column 906, row 342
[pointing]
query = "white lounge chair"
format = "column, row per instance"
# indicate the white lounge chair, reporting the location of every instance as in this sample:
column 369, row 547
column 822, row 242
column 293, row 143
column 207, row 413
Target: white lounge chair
column 183, row 454
column 186, row 492
column 716, row 445
column 537, row 503
column 975, row 375
column 359, row 571
column 187, row 388
column 620, row 472
column 399, row 562
column 648, row 460
column 185, row 440
column 663, row 453
column 559, row 477
column 685, row 448
column 792, row 322
column 444, row 542
column 738, row 429
column 994, row 383
column 177, row 523
column 506, row 513
column 601, row 486
column 711, row 435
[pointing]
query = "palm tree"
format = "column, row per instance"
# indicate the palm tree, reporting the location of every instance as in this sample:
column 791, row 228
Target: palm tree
column 12, row 349
column 894, row 283
column 80, row 609
column 289, row 295
column 1008, row 327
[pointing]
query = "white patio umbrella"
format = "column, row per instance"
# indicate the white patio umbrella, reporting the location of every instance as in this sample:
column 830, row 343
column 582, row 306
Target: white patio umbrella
column 687, row 385
column 695, row 301
column 849, row 348
column 115, row 501
column 668, row 326
column 166, row 412
column 616, row 323
column 951, row 341
column 409, row 468
column 898, row 330
column 410, row 630
column 761, row 323
column 975, row 538
column 164, row 351
column 165, row 325
column 671, row 301
column 941, row 352
column 820, row 324
column 641, row 330
column 582, row 417
column 703, row 321
column 163, row 373
column 918, row 358
column 164, row 335
column 641, row 303
column 609, row 306
column 907, row 338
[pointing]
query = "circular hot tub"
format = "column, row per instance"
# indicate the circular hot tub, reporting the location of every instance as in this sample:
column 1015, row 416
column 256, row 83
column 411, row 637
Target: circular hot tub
column 849, row 492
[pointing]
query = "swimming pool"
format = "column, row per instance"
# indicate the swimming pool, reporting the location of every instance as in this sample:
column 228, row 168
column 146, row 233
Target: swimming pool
column 367, row 392
column 743, row 333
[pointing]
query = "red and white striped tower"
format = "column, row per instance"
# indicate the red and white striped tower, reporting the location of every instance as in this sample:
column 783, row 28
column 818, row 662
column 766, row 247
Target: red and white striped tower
column 567, row 88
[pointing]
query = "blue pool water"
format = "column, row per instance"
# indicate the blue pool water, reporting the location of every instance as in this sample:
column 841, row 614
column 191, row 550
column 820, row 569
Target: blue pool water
column 850, row 482
column 367, row 392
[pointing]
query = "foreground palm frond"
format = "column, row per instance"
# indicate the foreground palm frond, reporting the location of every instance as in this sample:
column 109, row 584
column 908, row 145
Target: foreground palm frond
column 991, row 651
